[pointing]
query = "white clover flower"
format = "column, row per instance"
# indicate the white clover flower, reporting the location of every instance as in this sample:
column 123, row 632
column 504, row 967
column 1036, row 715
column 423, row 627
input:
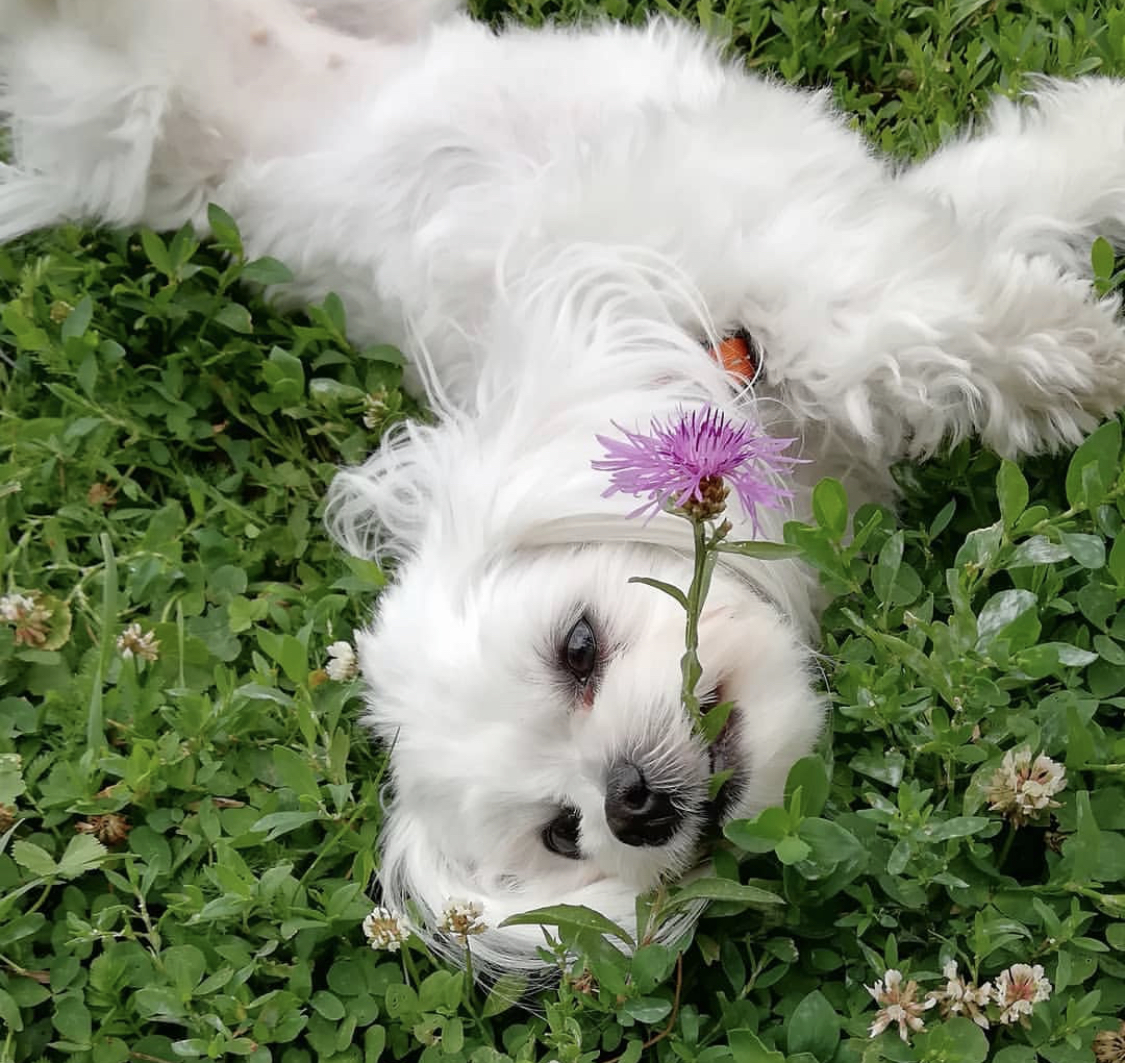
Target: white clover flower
column 16, row 607
column 385, row 930
column 374, row 408
column 343, row 664
column 897, row 1005
column 1019, row 988
column 134, row 642
column 1022, row 788
column 962, row 998
column 461, row 919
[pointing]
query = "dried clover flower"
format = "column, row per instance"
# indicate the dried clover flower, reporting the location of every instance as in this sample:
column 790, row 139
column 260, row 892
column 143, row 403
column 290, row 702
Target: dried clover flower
column 385, row 930
column 101, row 495
column 134, row 642
column 461, row 919
column 110, row 829
column 343, row 663
column 1022, row 788
column 28, row 616
column 1017, row 989
column 897, row 1005
column 1109, row 1045
column 962, row 998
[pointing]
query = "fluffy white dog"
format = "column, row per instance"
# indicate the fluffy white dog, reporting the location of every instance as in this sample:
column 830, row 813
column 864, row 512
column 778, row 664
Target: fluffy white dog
column 550, row 223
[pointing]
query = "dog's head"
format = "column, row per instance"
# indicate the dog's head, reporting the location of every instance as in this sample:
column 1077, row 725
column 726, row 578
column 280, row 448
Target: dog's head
column 528, row 692
column 540, row 751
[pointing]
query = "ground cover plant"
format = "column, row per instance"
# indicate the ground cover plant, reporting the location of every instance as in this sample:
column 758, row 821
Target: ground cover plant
column 188, row 811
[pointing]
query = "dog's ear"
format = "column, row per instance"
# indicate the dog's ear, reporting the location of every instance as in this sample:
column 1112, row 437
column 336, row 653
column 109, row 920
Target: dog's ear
column 379, row 509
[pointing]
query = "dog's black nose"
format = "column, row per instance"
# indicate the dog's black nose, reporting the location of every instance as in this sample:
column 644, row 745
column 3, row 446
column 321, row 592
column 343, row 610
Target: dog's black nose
column 636, row 814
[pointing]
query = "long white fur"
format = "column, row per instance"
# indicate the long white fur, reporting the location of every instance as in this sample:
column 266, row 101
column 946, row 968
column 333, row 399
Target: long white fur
column 550, row 222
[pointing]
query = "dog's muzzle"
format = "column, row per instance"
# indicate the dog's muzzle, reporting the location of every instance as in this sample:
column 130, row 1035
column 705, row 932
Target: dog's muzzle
column 636, row 814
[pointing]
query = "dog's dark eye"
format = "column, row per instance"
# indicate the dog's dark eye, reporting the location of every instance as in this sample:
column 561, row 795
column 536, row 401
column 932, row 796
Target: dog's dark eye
column 561, row 834
column 580, row 651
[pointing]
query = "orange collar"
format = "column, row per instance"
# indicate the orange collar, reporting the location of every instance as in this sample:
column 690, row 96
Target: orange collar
column 738, row 354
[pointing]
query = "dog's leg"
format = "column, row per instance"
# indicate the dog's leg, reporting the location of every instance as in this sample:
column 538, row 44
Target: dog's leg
column 1007, row 347
column 392, row 19
column 965, row 306
column 130, row 111
column 1043, row 176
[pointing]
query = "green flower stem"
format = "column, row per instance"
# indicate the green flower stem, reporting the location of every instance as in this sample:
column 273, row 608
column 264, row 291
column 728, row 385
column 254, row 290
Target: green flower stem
column 690, row 668
column 408, row 968
column 703, row 565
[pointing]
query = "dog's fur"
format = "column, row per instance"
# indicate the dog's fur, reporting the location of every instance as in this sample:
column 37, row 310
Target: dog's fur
column 550, row 223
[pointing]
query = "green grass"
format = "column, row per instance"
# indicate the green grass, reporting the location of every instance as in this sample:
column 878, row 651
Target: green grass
column 165, row 444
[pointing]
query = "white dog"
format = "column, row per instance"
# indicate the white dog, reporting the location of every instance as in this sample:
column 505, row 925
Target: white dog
column 554, row 224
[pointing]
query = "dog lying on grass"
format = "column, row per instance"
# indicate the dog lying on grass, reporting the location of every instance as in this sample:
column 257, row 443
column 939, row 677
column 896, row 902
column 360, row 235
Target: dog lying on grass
column 556, row 225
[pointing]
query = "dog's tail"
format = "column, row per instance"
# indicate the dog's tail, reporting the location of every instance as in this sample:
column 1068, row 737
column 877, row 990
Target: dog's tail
column 138, row 111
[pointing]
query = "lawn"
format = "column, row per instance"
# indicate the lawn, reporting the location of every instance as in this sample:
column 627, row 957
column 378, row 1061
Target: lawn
column 189, row 812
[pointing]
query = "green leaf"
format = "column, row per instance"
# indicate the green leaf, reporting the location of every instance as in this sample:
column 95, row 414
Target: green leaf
column 760, row 834
column 327, row 1004
column 1087, row 550
column 957, row 827
column 235, row 317
column 284, row 375
column 10, row 1013
column 278, row 823
column 747, row 1047
column 38, row 861
column 811, row 775
column 1102, row 258
column 224, row 230
column 830, row 507
column 72, row 1019
column 383, row 352
column 82, row 854
column 506, row 992
column 78, row 320
column 1116, row 560
column 11, row 777
column 714, row 720
column 1038, row 550
column 814, row 1027
column 1012, row 492
column 885, row 572
column 266, row 271
column 570, row 917
column 792, row 850
column 956, row 1040
column 722, row 889
column 374, row 1042
column 328, row 392
column 660, row 585
column 1101, row 450
column 157, row 252
column 1012, row 615
column 1085, row 845
column 185, row 965
column 830, row 843
column 647, row 1009
column 761, row 549
column 295, row 771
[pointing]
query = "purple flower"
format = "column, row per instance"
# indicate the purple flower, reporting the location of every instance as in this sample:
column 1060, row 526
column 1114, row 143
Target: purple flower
column 693, row 461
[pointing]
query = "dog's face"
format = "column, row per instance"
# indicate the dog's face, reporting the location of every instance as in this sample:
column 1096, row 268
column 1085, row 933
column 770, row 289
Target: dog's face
column 539, row 749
